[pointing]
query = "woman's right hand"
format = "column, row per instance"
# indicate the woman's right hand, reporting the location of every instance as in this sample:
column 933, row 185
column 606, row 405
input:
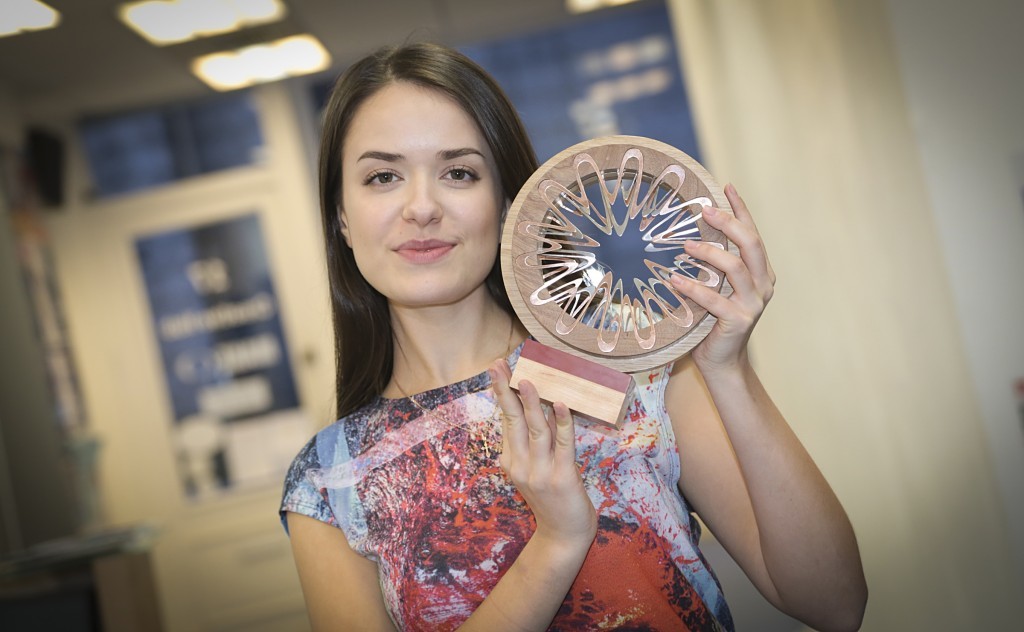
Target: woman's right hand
column 538, row 454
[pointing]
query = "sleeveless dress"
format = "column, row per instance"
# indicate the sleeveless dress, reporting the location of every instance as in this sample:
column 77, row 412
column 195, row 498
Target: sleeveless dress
column 423, row 496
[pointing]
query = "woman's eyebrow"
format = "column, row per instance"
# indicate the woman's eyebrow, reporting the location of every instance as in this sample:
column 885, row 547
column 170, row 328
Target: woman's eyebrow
column 381, row 155
column 444, row 154
column 451, row 154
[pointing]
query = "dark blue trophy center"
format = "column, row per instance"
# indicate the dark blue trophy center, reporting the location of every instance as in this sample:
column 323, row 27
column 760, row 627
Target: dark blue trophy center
column 624, row 254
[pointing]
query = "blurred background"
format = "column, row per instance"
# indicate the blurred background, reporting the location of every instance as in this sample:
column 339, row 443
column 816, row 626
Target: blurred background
column 166, row 331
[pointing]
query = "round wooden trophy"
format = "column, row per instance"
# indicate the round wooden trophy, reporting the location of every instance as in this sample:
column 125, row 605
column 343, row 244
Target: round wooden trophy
column 588, row 247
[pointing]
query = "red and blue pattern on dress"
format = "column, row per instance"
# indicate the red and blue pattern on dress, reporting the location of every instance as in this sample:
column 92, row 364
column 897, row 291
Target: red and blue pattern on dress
column 424, row 497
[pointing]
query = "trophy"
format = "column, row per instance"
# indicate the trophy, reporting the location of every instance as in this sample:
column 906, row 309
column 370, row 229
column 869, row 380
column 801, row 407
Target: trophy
column 587, row 249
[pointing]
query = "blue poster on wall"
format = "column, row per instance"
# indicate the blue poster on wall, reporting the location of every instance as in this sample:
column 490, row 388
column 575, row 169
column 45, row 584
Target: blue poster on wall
column 612, row 72
column 217, row 320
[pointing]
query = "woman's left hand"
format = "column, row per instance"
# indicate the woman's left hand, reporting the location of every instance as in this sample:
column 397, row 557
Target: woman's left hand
column 752, row 280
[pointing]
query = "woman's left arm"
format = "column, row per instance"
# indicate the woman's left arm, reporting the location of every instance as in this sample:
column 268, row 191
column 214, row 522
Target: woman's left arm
column 743, row 469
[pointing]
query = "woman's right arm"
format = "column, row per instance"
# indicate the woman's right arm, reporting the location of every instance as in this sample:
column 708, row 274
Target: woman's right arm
column 539, row 456
column 339, row 585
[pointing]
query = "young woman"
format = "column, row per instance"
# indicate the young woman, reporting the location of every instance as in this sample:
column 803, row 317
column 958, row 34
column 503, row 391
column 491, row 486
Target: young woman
column 442, row 499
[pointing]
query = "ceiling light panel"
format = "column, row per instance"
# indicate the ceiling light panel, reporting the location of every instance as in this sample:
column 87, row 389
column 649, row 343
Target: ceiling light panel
column 165, row 22
column 288, row 57
column 584, row 6
column 19, row 16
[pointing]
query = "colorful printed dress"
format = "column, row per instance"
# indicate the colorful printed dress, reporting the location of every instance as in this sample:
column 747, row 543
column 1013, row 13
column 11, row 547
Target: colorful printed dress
column 423, row 496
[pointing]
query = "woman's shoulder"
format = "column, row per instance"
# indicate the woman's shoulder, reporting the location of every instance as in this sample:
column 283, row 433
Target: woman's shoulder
column 318, row 482
column 333, row 444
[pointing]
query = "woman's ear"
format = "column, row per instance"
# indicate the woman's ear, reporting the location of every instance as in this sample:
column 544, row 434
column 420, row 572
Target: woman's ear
column 343, row 222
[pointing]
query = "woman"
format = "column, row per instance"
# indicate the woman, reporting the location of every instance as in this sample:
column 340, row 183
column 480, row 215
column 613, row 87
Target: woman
column 442, row 499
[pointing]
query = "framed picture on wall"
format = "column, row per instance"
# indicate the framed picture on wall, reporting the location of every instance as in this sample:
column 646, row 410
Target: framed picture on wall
column 223, row 351
column 611, row 72
column 615, row 71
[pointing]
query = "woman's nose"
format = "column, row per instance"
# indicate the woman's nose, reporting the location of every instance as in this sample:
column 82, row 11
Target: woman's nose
column 422, row 205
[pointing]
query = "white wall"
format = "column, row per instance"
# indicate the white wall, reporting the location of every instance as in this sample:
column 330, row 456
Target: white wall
column 963, row 74
column 802, row 105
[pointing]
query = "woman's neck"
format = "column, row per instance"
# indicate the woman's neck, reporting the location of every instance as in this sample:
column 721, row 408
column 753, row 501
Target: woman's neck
column 440, row 345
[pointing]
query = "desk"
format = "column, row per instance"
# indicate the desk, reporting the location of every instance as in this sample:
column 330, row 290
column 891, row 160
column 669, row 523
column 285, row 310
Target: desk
column 102, row 581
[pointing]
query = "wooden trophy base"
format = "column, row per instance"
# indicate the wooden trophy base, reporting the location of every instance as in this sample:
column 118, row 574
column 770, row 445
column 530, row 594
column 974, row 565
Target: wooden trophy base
column 589, row 389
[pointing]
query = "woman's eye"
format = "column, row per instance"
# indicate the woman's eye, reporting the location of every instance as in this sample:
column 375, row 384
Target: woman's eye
column 381, row 177
column 460, row 174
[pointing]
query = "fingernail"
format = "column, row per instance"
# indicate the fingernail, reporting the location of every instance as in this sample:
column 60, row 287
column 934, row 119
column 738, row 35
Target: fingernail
column 710, row 211
column 729, row 188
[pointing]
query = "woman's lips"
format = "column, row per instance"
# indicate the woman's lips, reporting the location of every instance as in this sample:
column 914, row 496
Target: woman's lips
column 426, row 251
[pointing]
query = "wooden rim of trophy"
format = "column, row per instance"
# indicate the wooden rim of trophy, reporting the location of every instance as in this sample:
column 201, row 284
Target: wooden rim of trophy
column 570, row 303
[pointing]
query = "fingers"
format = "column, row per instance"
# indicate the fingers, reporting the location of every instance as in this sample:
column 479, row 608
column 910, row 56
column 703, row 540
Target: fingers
column 734, row 267
column 513, row 421
column 538, row 429
column 742, row 213
column 565, row 437
column 706, row 297
column 539, row 458
column 739, row 206
column 741, row 230
column 532, row 441
column 750, row 274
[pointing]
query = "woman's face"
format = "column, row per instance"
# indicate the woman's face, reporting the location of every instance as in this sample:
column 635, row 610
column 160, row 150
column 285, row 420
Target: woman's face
column 421, row 201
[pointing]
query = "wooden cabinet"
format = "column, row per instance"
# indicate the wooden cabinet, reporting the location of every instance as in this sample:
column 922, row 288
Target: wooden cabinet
column 228, row 565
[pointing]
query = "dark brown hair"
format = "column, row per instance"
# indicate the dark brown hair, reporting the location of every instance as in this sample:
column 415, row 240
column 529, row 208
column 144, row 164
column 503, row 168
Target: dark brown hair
column 363, row 339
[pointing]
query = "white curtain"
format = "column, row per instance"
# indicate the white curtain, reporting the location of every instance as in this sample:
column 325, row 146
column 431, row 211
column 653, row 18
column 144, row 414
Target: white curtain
column 800, row 104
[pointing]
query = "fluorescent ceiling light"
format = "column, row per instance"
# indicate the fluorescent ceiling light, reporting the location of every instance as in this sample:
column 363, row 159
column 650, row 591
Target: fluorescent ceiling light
column 288, row 57
column 172, row 21
column 26, row 15
column 582, row 6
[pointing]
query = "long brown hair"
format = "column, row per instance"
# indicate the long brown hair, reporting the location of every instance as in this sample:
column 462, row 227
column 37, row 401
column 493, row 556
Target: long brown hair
column 363, row 338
